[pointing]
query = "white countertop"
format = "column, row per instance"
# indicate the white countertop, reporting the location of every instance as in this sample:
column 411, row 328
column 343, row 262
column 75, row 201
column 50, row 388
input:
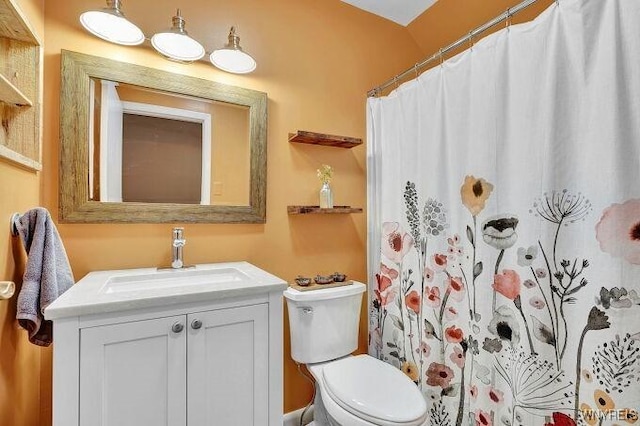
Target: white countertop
column 92, row 294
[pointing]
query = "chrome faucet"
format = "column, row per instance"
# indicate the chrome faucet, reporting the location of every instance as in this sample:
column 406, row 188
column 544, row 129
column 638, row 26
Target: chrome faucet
column 177, row 245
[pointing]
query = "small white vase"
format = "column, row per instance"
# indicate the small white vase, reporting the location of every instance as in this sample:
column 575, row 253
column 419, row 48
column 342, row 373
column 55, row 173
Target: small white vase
column 326, row 197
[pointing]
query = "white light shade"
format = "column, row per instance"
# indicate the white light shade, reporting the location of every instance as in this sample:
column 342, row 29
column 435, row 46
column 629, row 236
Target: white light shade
column 179, row 47
column 111, row 27
column 234, row 61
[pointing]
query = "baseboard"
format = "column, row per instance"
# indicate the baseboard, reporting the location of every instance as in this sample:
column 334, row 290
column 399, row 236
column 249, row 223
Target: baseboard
column 293, row 418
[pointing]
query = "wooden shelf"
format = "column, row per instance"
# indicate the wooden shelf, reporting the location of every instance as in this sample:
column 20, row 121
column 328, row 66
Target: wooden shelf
column 14, row 25
column 10, row 94
column 312, row 138
column 318, row 210
column 20, row 88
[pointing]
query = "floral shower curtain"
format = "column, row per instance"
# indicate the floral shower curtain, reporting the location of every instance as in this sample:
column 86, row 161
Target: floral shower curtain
column 504, row 224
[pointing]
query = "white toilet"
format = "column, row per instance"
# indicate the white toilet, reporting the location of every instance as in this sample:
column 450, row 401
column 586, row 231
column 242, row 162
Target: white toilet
column 350, row 390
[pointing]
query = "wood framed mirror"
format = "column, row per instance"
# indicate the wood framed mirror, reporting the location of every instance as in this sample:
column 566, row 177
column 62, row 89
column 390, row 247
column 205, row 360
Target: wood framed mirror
column 142, row 145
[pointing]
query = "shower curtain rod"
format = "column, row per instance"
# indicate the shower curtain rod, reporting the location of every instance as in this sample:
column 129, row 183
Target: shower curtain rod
column 479, row 30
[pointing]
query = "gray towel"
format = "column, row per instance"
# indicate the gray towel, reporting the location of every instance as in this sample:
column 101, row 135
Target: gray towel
column 47, row 274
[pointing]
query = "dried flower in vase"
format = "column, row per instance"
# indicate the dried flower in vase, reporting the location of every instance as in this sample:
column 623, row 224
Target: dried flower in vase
column 325, row 173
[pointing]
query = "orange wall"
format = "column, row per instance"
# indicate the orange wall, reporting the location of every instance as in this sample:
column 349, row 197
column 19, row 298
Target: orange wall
column 316, row 60
column 20, row 361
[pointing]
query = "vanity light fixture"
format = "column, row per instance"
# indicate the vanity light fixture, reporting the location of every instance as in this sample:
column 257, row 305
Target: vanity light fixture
column 110, row 24
column 232, row 58
column 176, row 44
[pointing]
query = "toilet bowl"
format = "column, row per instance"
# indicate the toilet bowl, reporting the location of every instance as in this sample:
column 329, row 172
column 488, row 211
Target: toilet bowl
column 350, row 390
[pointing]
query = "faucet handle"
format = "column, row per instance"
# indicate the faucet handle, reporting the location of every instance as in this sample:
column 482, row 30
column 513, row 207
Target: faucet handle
column 179, row 242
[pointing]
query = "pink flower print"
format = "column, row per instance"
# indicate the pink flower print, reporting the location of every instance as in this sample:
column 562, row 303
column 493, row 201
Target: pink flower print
column 439, row 375
column 423, row 349
column 456, row 288
column 483, row 418
column 454, row 334
column 390, row 272
column 507, row 284
column 457, row 357
column 428, row 274
column 537, row 302
column 385, row 292
column 529, row 283
column 473, row 392
column 439, row 262
column 618, row 231
column 495, row 396
column 388, row 296
column 451, row 313
column 382, row 283
column 541, row 273
column 412, row 300
column 432, row 298
column 395, row 243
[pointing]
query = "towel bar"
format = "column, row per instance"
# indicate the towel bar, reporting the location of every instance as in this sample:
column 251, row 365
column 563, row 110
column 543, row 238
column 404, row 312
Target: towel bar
column 12, row 224
column 7, row 288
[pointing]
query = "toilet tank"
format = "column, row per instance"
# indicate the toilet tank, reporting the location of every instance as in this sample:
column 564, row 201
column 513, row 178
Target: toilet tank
column 324, row 323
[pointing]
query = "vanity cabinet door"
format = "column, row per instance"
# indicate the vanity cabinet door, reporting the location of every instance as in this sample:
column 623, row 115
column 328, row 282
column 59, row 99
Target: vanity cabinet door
column 228, row 365
column 134, row 374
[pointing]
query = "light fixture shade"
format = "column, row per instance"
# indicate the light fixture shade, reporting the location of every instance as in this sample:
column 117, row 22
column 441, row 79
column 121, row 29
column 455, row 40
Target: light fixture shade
column 176, row 44
column 110, row 24
column 231, row 58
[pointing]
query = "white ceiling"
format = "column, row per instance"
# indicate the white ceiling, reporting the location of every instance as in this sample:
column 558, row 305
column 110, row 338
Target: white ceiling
column 399, row 11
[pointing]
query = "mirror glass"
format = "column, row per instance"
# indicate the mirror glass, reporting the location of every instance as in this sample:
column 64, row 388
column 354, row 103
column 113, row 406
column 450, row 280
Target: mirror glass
column 139, row 144
column 151, row 146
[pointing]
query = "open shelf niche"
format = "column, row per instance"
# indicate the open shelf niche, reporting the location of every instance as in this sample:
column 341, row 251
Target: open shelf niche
column 313, row 138
column 20, row 88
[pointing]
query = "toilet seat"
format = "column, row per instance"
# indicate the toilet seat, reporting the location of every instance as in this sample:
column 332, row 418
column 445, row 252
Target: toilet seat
column 370, row 390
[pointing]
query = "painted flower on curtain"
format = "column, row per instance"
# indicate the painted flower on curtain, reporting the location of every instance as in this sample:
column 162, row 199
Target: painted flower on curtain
column 618, row 231
column 561, row 419
column 505, row 326
column 500, row 231
column 385, row 294
column 395, row 243
column 565, row 276
column 507, row 284
column 496, row 360
column 474, row 193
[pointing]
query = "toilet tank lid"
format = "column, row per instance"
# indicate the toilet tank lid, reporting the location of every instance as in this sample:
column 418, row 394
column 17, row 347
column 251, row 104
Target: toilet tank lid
column 324, row 293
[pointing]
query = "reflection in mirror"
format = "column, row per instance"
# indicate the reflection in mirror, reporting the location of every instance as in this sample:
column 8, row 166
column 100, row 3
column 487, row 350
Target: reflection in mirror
column 138, row 144
column 151, row 146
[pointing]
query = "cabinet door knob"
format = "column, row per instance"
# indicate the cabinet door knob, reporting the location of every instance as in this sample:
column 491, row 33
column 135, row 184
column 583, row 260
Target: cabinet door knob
column 177, row 327
column 196, row 324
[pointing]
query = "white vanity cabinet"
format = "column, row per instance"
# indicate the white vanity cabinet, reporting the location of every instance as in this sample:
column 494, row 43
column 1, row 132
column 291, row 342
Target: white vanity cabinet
column 203, row 354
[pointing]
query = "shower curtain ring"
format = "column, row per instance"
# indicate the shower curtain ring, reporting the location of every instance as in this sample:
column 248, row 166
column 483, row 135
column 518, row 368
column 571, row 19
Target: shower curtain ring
column 507, row 21
column 415, row 68
column 395, row 81
column 441, row 56
column 471, row 40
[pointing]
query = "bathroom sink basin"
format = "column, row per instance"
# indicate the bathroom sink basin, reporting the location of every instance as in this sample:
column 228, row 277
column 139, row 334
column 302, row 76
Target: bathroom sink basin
column 163, row 279
column 102, row 292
